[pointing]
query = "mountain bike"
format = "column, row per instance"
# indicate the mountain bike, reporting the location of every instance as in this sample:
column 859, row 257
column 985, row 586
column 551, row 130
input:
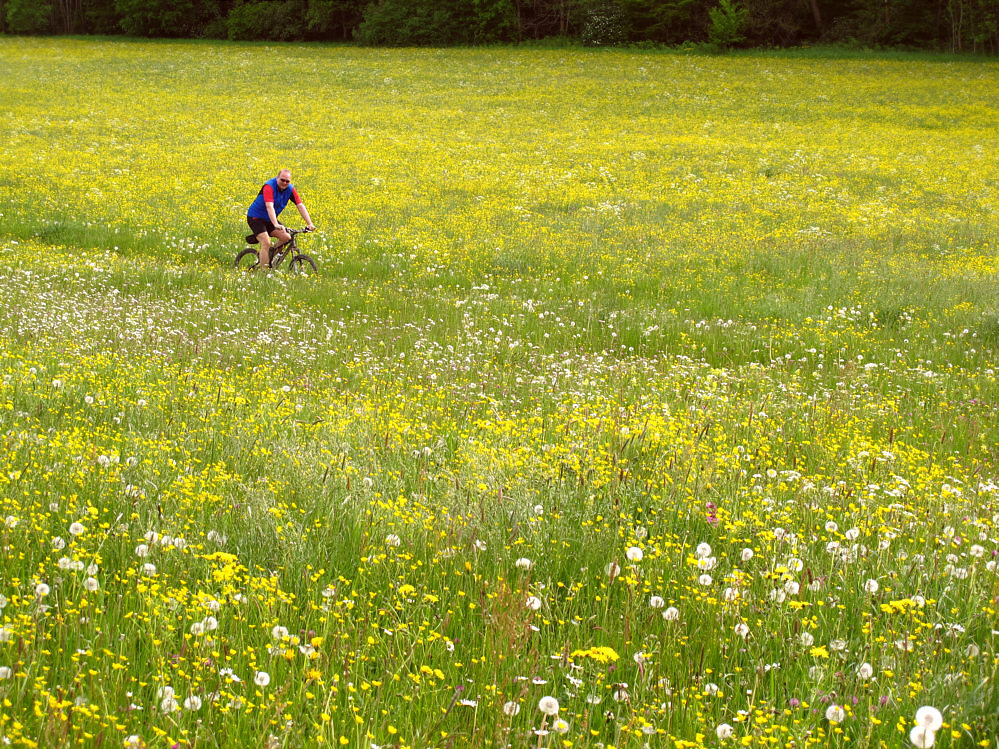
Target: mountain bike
column 249, row 259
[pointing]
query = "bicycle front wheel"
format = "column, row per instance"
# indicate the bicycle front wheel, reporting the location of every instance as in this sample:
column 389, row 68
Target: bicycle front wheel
column 303, row 265
column 248, row 259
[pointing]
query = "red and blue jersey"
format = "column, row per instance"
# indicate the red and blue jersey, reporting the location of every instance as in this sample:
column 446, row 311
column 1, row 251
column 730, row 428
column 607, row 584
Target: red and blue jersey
column 271, row 193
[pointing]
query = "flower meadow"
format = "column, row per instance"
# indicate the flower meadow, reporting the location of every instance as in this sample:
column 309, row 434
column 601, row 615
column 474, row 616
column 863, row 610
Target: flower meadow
column 642, row 399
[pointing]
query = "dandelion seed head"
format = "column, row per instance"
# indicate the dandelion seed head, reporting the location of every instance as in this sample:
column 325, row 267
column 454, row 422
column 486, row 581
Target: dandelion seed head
column 548, row 705
column 929, row 717
column 835, row 714
column 922, row 737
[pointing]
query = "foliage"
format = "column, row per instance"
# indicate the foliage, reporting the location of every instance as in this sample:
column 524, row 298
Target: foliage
column 493, row 21
column 542, row 19
column 396, row 23
column 165, row 17
column 101, row 17
column 604, row 25
column 261, row 19
column 659, row 386
column 666, row 21
column 954, row 25
column 960, row 25
column 334, row 19
column 728, row 22
column 67, row 16
column 425, row 22
column 28, row 16
column 778, row 23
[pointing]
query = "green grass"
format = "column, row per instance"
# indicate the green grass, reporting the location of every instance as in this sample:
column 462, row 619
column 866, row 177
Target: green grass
column 572, row 304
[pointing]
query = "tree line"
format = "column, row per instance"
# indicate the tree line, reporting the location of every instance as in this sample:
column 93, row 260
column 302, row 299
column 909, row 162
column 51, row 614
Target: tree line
column 945, row 25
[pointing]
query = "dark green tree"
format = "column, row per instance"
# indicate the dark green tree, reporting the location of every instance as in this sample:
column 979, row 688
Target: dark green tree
column 28, row 16
column 982, row 30
column 334, row 19
column 728, row 22
column 100, row 17
column 67, row 16
column 281, row 20
column 436, row 22
column 171, row 18
column 494, row 21
column 779, row 23
column 665, row 21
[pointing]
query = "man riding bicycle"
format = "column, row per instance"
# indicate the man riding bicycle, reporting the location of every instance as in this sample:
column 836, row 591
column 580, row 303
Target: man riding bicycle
column 263, row 214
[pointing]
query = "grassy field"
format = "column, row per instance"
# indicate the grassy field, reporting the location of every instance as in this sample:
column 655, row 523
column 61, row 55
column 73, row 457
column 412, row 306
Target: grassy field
column 643, row 399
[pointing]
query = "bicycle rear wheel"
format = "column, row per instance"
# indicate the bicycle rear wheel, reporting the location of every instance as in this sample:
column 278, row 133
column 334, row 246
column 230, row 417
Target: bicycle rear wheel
column 248, row 259
column 303, row 265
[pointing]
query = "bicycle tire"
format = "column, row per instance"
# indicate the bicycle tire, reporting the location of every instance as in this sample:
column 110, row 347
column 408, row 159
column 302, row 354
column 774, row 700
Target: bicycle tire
column 303, row 265
column 248, row 259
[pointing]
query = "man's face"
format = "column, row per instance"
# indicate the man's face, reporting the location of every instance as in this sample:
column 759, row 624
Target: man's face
column 284, row 179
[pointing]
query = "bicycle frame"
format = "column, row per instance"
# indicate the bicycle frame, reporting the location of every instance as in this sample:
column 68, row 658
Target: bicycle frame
column 278, row 252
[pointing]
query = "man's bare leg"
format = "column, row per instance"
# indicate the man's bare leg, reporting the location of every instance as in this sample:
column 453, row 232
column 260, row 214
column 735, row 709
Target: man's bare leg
column 264, row 253
column 281, row 236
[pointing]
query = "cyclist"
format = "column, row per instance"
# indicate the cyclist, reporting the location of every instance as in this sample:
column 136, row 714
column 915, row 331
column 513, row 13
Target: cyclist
column 263, row 214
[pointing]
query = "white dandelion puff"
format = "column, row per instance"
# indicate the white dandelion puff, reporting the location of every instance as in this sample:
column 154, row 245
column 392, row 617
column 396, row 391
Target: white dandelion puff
column 922, row 737
column 929, row 717
column 548, row 705
column 835, row 714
